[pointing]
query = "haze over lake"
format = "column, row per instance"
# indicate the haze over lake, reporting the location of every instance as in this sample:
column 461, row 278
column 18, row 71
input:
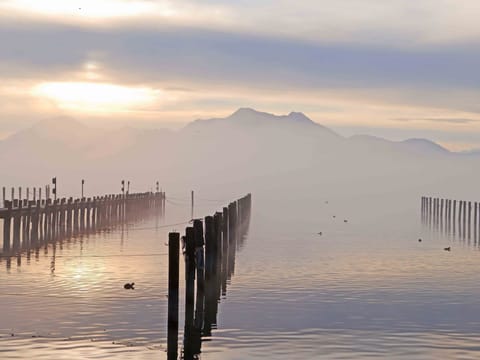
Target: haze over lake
column 226, row 180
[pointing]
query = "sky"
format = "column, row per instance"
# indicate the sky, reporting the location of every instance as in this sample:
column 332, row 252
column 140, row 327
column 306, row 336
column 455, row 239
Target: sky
column 391, row 68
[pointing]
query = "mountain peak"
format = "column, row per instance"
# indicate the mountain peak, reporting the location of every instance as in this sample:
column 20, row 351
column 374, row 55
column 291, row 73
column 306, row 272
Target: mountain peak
column 425, row 145
column 299, row 116
column 246, row 111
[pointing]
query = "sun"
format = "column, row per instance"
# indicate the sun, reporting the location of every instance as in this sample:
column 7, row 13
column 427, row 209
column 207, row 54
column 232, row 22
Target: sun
column 96, row 97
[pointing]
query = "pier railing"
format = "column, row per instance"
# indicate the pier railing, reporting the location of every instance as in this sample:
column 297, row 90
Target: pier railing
column 209, row 249
column 27, row 223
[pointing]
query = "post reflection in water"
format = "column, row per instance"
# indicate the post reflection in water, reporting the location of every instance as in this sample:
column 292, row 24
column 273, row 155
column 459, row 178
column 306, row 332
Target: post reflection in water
column 441, row 216
column 213, row 266
column 30, row 226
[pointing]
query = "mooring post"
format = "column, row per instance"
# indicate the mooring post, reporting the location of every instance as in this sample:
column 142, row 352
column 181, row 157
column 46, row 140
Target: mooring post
column 189, row 240
column 449, row 214
column 173, row 284
column 209, row 246
column 27, row 226
column 217, row 223
column 35, row 223
column 75, row 217
column 6, row 226
column 17, row 219
column 89, row 215
column 189, row 275
column 475, row 221
column 442, row 203
column 199, row 255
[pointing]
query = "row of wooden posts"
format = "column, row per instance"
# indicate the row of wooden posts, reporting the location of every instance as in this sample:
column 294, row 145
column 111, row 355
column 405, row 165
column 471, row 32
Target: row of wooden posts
column 31, row 223
column 33, row 194
column 451, row 216
column 209, row 249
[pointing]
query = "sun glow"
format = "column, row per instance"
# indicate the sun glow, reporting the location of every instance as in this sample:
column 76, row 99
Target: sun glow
column 96, row 97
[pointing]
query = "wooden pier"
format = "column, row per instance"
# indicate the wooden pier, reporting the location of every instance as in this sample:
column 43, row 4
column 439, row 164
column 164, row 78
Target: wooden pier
column 456, row 217
column 209, row 249
column 30, row 223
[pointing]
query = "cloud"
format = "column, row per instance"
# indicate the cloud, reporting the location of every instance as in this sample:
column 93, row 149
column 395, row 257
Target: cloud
column 337, row 71
column 393, row 23
column 458, row 121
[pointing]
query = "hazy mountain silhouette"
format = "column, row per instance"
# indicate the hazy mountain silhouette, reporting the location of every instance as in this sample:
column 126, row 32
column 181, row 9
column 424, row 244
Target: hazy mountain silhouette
column 244, row 149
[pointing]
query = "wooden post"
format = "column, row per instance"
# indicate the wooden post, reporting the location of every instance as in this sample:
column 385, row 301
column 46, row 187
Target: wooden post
column 469, row 218
column 225, row 250
column 16, row 226
column 441, row 215
column 75, row 217
column 475, row 212
column 209, row 246
column 200, row 263
column 217, row 223
column 3, row 196
column 69, row 209
column 454, row 217
column 6, row 226
column 189, row 275
column 88, row 208
column 173, row 284
column 193, row 203
column 35, row 223
column 189, row 291
column 199, row 254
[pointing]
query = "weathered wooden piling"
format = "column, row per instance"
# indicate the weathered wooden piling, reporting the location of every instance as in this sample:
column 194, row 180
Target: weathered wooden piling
column 442, row 214
column 209, row 246
column 30, row 223
column 215, row 236
column 173, row 285
column 6, row 226
column 189, row 274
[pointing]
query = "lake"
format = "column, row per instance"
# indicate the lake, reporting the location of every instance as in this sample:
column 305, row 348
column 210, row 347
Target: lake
column 365, row 288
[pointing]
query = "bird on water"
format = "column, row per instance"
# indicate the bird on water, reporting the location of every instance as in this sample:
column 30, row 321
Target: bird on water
column 129, row 286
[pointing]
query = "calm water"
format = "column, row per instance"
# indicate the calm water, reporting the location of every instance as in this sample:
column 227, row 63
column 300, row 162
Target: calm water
column 365, row 288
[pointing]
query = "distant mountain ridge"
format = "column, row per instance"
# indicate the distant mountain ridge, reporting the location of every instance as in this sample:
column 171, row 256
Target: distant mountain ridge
column 68, row 131
column 420, row 145
column 252, row 119
column 247, row 143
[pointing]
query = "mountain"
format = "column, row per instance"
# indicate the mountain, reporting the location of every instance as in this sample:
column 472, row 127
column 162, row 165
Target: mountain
column 248, row 119
column 245, row 149
column 424, row 146
column 421, row 147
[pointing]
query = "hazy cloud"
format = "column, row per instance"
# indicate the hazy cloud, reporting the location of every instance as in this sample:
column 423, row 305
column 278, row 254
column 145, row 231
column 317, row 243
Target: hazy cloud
column 364, row 60
column 440, row 120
